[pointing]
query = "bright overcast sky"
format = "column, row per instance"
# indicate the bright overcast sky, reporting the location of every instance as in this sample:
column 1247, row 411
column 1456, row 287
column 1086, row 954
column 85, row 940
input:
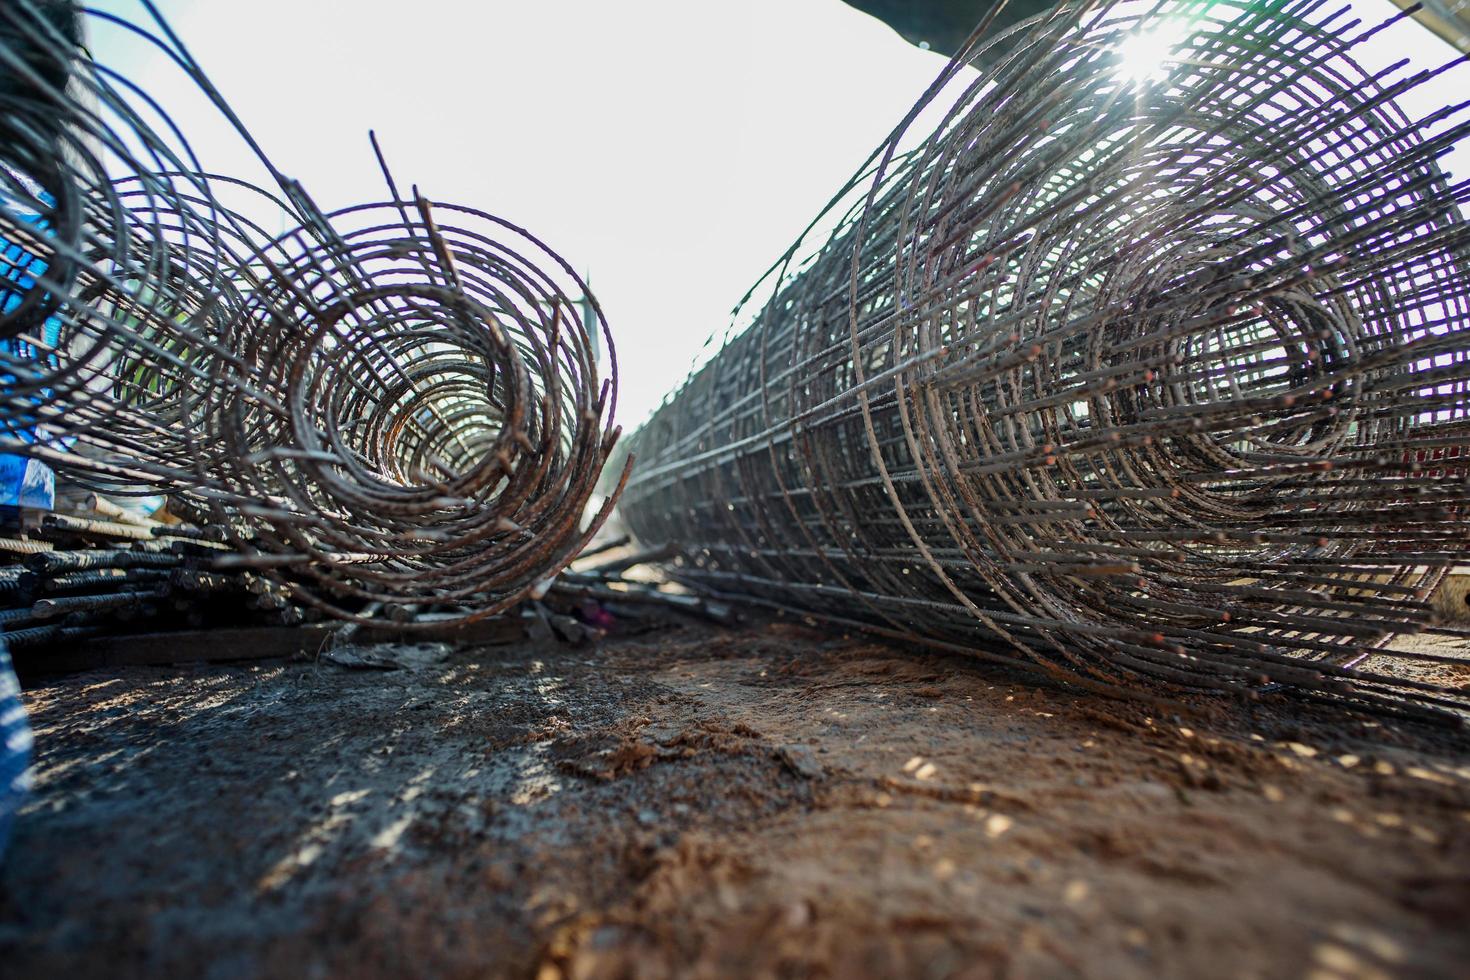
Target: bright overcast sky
column 670, row 149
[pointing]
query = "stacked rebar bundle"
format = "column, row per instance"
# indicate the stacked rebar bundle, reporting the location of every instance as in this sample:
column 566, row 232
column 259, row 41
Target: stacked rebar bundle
column 77, row 577
column 1139, row 373
column 392, row 407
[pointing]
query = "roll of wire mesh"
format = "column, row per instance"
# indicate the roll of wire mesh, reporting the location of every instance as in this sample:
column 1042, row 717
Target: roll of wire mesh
column 1145, row 375
column 441, row 422
column 393, row 405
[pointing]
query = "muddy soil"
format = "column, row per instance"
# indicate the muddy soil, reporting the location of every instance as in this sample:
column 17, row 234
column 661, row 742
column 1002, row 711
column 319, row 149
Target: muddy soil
column 766, row 801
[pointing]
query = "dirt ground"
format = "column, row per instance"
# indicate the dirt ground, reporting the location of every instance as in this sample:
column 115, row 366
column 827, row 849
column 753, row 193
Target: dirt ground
column 767, row 800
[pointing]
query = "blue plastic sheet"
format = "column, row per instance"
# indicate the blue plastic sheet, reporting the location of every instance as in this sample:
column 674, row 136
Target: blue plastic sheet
column 26, row 483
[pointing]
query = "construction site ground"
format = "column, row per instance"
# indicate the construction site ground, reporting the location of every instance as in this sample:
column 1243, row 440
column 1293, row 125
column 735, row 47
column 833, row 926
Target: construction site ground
column 771, row 800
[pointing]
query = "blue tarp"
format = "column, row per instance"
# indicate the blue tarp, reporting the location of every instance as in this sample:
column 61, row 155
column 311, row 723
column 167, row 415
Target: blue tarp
column 26, row 483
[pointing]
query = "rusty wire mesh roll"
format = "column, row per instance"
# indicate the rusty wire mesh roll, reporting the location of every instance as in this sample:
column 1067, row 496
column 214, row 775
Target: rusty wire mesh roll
column 441, row 420
column 116, row 252
column 1139, row 379
column 395, row 405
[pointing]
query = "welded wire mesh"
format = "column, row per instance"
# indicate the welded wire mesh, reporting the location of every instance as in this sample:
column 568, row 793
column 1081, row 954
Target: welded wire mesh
column 1142, row 373
column 397, row 404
